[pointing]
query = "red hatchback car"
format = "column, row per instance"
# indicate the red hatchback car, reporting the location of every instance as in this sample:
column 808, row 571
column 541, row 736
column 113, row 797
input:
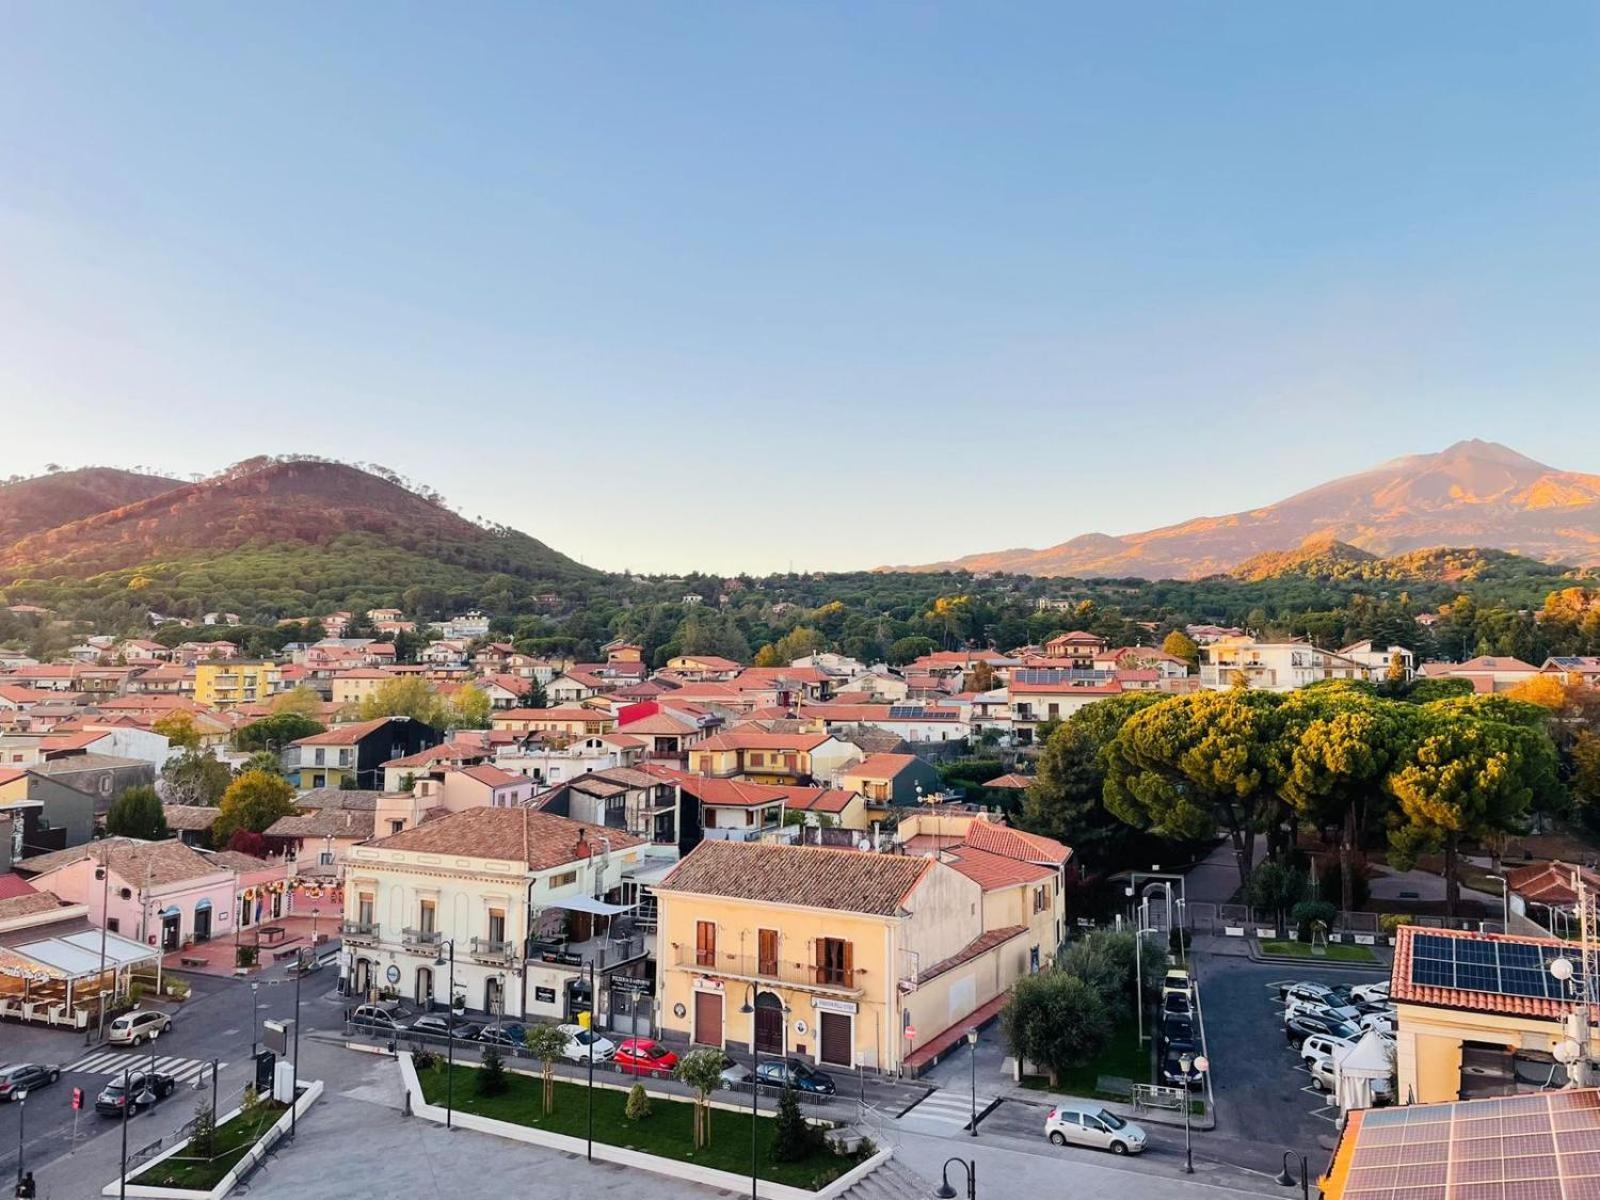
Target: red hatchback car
column 644, row 1056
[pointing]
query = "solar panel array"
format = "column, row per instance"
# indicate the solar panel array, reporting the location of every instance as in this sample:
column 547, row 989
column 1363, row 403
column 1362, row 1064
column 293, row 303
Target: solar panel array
column 1060, row 675
column 917, row 712
column 1543, row 1146
column 1505, row 968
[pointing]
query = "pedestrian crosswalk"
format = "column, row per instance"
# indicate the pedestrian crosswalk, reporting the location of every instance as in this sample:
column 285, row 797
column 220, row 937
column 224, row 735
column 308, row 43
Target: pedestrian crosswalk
column 946, row 1111
column 115, row 1062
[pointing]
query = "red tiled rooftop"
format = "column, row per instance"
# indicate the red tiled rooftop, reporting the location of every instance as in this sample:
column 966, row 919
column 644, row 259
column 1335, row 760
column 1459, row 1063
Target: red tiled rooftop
column 1402, row 990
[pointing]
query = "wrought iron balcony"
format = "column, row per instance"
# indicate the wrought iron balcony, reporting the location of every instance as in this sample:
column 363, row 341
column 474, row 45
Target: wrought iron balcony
column 359, row 931
column 421, row 940
column 490, row 950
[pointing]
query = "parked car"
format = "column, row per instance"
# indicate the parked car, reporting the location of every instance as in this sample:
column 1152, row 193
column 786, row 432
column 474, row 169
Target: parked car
column 1177, row 980
column 1175, row 1004
column 1371, row 993
column 137, row 1027
column 1176, row 1029
column 581, row 1043
column 734, row 1073
column 1298, row 1028
column 18, row 1079
column 792, row 1072
column 1383, row 1022
column 1325, row 1077
column 1321, row 993
column 1172, row 1070
column 388, row 1016
column 644, row 1056
column 1095, row 1127
column 507, row 1037
column 146, row 1087
column 446, row 1025
column 1347, row 1013
column 1322, row 1045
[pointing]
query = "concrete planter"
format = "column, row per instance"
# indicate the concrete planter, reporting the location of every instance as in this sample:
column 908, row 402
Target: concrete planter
column 231, row 1179
column 710, row 1177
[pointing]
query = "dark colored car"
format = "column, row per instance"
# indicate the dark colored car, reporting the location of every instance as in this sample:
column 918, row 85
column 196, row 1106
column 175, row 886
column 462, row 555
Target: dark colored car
column 147, row 1087
column 796, row 1074
column 1172, row 1071
column 18, row 1079
column 1177, row 1029
column 1176, row 1004
column 504, row 1036
column 445, row 1026
column 1298, row 1029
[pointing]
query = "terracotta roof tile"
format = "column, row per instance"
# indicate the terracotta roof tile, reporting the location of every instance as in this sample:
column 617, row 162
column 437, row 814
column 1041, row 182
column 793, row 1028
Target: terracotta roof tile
column 541, row 840
column 991, row 871
column 133, row 861
column 846, row 880
column 1403, row 990
column 1014, row 843
column 978, row 945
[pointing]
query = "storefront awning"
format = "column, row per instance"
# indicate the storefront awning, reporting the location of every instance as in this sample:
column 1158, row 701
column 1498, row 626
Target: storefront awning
column 78, row 955
column 589, row 904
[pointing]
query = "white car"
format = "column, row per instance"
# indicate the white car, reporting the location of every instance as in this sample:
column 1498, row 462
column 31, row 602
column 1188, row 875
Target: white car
column 1371, row 993
column 1095, row 1127
column 137, row 1027
column 1322, row 1045
column 1345, row 1013
column 1383, row 1022
column 581, row 1043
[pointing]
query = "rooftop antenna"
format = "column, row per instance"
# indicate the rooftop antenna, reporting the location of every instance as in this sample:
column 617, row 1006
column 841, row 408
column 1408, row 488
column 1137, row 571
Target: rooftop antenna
column 1573, row 1050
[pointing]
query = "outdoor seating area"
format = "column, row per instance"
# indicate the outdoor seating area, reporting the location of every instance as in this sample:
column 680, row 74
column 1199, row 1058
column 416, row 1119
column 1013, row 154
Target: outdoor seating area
column 57, row 980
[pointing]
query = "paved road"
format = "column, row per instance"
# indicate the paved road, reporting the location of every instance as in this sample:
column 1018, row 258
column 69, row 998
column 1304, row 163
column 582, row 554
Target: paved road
column 214, row 1023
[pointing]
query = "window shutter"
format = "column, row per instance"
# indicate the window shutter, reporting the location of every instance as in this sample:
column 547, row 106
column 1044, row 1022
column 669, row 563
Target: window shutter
column 849, row 963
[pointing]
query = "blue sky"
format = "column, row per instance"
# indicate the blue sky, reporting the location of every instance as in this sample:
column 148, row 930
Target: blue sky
column 739, row 286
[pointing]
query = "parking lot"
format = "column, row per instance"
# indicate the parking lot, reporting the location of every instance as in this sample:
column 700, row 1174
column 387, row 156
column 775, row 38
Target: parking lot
column 1263, row 1093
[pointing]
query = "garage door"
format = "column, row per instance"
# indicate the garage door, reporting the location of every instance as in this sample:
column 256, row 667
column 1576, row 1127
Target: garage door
column 836, row 1039
column 708, row 1018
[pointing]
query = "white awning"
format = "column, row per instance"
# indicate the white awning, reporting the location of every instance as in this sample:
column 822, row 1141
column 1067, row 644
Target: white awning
column 72, row 956
column 589, row 904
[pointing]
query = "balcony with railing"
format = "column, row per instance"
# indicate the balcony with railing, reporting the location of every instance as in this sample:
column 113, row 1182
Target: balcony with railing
column 492, row 950
column 364, row 933
column 421, row 941
column 752, row 968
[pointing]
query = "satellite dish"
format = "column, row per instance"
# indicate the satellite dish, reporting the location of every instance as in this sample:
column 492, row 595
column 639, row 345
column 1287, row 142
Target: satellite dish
column 863, row 844
column 1566, row 1052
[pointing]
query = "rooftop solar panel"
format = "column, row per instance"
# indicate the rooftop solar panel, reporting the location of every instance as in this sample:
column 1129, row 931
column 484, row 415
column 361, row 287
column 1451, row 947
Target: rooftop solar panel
column 1506, row 968
column 1534, row 1147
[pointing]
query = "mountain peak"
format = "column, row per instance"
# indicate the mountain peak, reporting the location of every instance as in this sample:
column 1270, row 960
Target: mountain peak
column 1471, row 493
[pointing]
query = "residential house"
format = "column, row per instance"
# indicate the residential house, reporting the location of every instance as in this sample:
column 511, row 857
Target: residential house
column 667, row 731
column 160, row 893
column 830, row 810
column 1488, row 674
column 569, row 720
column 914, row 721
column 572, row 688
column 737, row 810
column 356, row 751
column 1229, row 662
column 1378, row 661
column 466, row 627
column 77, row 790
column 1572, row 669
column 643, row 804
column 701, row 667
column 459, row 752
column 751, row 753
column 225, row 685
column 348, row 689
column 327, row 824
column 1039, row 694
column 844, row 958
column 512, row 895
column 888, row 780
column 550, row 764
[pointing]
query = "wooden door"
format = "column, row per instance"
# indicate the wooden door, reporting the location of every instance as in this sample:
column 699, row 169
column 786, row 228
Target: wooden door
column 707, row 1019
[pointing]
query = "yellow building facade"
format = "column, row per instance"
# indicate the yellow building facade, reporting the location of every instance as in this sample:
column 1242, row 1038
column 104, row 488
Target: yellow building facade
column 230, row 683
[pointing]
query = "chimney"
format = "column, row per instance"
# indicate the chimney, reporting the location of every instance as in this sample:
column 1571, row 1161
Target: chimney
column 581, row 850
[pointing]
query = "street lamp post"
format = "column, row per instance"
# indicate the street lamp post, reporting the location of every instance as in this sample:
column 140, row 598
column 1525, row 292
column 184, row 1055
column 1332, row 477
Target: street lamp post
column 255, row 989
column 945, row 1192
column 749, row 1006
column 127, row 1102
column 103, row 874
column 450, row 1031
column 1199, row 1067
column 593, row 1037
column 22, row 1123
column 294, row 1082
column 972, row 1046
column 1286, row 1180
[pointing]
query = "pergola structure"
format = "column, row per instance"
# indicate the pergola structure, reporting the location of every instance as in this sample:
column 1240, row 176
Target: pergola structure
column 58, row 977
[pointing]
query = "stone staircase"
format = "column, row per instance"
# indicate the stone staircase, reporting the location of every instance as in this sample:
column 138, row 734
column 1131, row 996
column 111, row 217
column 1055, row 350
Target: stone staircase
column 892, row 1181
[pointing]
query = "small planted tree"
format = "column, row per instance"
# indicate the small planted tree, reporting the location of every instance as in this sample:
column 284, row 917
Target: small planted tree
column 792, row 1138
column 702, row 1070
column 546, row 1042
column 203, row 1139
column 492, row 1079
column 638, row 1105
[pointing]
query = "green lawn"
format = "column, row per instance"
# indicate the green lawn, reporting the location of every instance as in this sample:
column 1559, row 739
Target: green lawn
column 668, row 1131
column 1124, row 1058
column 234, row 1139
column 1334, row 953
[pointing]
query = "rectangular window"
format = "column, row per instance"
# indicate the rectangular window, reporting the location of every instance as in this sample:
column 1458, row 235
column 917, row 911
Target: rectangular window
column 835, row 962
column 749, row 816
column 563, row 879
column 398, row 825
column 705, row 944
column 767, row 952
column 113, row 924
column 320, row 758
column 425, row 919
column 497, row 925
column 364, row 908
